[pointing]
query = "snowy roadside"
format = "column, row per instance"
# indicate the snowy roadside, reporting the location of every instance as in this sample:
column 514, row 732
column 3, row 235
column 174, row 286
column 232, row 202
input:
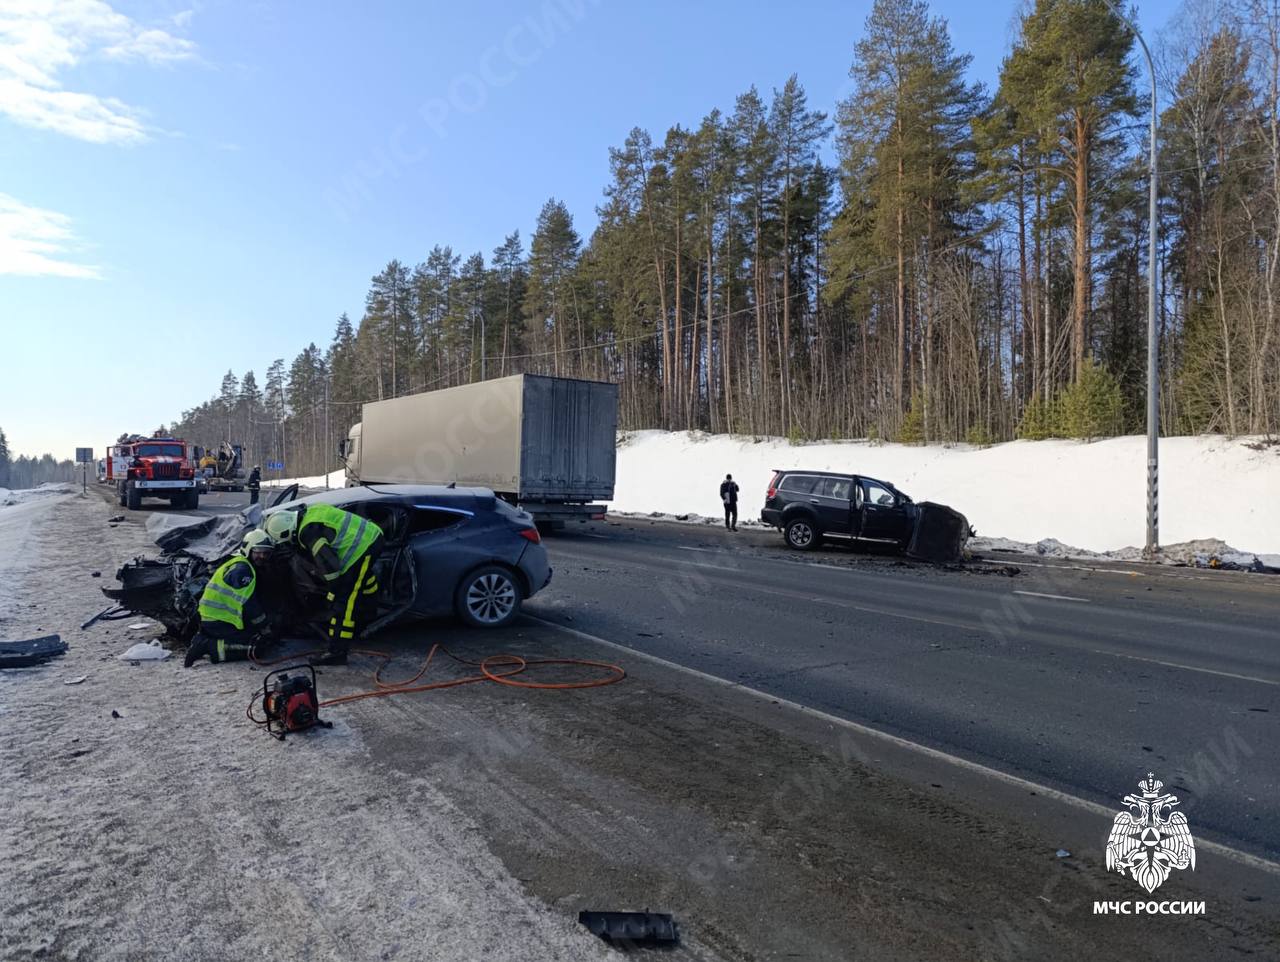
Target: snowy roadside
column 1205, row 553
column 19, row 512
column 9, row 498
column 1061, row 498
column 180, row 831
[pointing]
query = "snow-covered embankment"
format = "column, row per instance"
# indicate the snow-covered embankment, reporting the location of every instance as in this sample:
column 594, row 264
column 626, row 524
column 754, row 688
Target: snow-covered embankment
column 1087, row 495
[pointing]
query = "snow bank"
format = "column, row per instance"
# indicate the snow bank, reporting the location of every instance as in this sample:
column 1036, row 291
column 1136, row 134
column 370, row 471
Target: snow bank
column 337, row 479
column 10, row 498
column 1090, row 495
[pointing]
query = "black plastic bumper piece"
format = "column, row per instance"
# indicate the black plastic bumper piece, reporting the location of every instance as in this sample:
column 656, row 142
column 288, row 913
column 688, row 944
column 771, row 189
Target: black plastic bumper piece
column 633, row 928
column 33, row 651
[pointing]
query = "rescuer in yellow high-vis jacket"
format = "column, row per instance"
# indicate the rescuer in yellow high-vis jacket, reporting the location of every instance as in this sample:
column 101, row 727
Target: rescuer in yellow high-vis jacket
column 339, row 550
column 231, row 619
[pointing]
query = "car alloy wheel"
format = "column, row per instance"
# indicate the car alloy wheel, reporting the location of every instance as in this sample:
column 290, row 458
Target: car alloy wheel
column 800, row 534
column 491, row 598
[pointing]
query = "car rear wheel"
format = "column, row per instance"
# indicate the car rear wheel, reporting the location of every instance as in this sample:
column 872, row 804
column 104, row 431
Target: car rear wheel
column 801, row 534
column 489, row 597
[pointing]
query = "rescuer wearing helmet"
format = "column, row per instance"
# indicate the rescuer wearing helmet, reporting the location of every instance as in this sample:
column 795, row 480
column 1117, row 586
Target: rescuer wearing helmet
column 338, row 549
column 231, row 619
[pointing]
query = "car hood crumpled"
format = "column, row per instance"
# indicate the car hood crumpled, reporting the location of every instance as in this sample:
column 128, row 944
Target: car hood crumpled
column 209, row 538
column 940, row 534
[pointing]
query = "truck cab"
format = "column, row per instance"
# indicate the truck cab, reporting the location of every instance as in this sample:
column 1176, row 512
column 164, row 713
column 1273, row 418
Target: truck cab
column 152, row 468
column 349, row 452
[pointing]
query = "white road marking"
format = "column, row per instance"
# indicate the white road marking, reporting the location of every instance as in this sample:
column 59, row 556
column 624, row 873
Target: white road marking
column 1041, row 594
column 1207, row 671
column 1226, row 851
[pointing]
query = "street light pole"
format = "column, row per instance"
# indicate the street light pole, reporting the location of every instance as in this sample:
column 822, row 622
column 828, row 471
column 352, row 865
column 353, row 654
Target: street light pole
column 1153, row 341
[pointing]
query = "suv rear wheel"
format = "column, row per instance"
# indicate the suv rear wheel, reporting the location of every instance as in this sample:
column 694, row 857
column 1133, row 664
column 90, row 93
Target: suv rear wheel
column 801, row 534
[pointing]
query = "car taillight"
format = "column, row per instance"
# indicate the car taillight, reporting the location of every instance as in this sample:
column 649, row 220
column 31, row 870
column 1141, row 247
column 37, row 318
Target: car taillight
column 531, row 534
column 772, row 493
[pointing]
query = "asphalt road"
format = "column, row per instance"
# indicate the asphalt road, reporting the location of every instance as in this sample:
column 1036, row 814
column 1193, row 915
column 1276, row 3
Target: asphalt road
column 1080, row 678
column 845, row 755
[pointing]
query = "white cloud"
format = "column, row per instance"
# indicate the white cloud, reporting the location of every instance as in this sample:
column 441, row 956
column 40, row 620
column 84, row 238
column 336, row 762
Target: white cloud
column 40, row 39
column 34, row 241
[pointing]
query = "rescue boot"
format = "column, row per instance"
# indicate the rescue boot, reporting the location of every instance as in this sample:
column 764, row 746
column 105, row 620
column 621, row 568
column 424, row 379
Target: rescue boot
column 201, row 645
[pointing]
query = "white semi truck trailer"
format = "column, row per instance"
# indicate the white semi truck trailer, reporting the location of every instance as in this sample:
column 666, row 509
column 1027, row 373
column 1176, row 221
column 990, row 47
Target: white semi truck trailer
column 547, row 444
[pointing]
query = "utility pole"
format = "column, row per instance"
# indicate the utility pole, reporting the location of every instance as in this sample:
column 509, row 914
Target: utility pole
column 327, row 462
column 480, row 312
column 1153, row 345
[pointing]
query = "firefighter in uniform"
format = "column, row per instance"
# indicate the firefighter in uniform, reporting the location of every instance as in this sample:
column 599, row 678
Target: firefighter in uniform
column 254, row 483
column 231, row 619
column 337, row 549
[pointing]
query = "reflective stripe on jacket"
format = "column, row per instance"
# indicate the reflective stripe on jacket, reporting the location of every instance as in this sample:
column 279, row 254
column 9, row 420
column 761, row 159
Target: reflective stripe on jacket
column 221, row 601
column 348, row 534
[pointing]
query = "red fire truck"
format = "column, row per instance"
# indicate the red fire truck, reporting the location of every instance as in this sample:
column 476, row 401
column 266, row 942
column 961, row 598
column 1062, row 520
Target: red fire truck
column 143, row 467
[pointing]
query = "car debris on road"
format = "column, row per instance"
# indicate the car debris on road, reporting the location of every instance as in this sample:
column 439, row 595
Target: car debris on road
column 31, row 651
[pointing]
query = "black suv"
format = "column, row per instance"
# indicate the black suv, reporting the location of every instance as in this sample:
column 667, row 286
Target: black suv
column 807, row 506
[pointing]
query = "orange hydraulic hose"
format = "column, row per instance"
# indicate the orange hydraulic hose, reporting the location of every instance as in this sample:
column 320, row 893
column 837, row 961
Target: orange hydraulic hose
column 495, row 668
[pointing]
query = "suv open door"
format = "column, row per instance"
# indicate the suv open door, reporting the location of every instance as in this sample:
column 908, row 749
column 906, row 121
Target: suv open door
column 883, row 513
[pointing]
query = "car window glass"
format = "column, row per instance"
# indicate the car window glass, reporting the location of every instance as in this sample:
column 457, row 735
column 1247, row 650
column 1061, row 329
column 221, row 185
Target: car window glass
column 799, row 483
column 433, row 519
column 878, row 494
column 836, row 488
column 387, row 517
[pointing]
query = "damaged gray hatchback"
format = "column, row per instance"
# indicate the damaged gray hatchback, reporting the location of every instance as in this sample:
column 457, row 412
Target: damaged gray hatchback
column 460, row 551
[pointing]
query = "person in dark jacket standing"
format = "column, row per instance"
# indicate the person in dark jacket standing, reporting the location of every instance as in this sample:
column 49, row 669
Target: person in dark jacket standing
column 729, row 495
column 255, row 482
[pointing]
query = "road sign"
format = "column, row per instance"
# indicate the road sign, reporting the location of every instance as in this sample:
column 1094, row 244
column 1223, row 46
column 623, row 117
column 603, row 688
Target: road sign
column 84, row 455
column 275, row 465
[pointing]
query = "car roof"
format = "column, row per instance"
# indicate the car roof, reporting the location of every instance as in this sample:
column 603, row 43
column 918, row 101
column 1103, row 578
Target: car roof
column 819, row 474
column 834, row 474
column 418, row 494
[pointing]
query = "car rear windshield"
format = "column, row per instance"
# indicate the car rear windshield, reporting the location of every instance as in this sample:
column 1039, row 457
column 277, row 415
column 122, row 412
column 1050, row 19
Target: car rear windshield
column 158, row 451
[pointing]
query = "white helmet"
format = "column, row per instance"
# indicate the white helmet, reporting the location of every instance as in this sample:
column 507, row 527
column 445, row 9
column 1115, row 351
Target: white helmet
column 281, row 526
column 256, row 546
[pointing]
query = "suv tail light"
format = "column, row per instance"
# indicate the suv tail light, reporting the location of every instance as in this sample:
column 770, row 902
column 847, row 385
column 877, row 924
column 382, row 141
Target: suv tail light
column 773, row 485
column 530, row 534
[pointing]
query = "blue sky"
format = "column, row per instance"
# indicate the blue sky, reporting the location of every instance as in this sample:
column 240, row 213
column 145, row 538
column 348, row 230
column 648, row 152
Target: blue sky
column 192, row 185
